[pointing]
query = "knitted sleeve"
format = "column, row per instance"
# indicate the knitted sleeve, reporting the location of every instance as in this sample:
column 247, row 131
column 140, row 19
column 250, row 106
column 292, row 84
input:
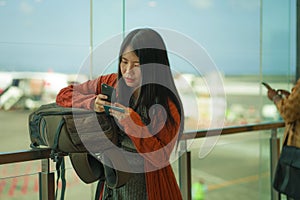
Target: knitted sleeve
column 83, row 95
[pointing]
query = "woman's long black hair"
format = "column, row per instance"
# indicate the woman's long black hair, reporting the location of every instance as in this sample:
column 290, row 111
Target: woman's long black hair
column 158, row 85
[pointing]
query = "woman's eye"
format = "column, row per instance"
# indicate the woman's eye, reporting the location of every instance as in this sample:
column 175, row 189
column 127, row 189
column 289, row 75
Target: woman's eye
column 124, row 62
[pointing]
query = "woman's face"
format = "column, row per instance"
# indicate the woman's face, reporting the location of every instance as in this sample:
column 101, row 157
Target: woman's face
column 130, row 68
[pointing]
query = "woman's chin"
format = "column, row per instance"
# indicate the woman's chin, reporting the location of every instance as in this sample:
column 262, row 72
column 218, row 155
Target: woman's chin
column 130, row 84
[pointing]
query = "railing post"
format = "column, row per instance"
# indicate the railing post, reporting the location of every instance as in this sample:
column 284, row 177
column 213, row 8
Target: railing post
column 274, row 155
column 185, row 171
column 46, row 181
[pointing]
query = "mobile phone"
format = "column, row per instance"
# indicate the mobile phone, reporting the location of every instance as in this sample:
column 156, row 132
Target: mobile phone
column 267, row 85
column 107, row 107
column 108, row 90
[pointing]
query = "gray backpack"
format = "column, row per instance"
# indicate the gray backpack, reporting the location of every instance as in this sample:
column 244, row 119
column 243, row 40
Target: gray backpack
column 82, row 135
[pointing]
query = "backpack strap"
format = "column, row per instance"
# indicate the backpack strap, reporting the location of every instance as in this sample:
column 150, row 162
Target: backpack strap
column 99, row 188
column 61, row 172
column 54, row 154
column 60, row 162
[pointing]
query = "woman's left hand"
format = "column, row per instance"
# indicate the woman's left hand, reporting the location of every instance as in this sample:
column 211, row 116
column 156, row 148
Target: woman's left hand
column 117, row 114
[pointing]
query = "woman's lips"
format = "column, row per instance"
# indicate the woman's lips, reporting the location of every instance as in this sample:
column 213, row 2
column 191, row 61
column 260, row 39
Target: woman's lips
column 129, row 80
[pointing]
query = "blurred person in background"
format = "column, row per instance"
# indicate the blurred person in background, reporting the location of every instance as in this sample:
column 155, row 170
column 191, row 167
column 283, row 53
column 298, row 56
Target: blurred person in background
column 287, row 174
column 288, row 105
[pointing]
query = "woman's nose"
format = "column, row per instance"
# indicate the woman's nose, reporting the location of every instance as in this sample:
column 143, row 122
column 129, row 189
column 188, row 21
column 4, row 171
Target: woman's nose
column 128, row 68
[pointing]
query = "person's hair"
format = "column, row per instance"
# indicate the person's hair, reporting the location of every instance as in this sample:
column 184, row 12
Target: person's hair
column 158, row 85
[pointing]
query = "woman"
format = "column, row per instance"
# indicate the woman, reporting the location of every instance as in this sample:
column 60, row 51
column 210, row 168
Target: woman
column 153, row 118
column 287, row 174
column 287, row 104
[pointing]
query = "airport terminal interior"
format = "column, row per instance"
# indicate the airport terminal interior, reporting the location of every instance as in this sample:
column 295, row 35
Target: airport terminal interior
column 220, row 53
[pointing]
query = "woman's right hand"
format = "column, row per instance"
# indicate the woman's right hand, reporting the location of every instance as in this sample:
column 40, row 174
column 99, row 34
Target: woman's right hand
column 99, row 102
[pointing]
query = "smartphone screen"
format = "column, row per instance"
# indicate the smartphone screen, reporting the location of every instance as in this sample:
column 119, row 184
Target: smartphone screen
column 107, row 107
column 109, row 91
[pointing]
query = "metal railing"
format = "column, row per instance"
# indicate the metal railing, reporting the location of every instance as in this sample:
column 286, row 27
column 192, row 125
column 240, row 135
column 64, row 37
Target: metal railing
column 46, row 177
column 185, row 159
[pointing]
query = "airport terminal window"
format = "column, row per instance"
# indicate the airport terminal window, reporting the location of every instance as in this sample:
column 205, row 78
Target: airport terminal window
column 247, row 46
column 59, row 42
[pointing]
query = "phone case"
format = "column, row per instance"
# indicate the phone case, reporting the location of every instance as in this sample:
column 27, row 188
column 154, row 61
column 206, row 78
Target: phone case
column 107, row 90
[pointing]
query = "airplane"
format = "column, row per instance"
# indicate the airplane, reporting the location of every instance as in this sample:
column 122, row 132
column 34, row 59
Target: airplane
column 31, row 89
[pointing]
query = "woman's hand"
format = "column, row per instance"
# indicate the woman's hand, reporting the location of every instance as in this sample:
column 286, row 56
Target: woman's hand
column 283, row 92
column 271, row 94
column 119, row 115
column 274, row 95
column 99, row 102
